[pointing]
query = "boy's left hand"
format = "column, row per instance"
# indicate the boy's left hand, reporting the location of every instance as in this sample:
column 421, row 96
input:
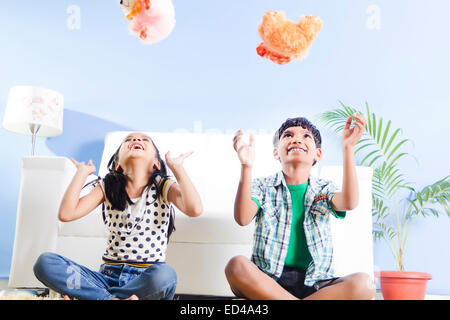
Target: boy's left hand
column 351, row 136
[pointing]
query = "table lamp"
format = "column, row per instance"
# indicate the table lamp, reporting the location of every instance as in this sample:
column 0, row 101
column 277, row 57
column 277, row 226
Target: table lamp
column 35, row 112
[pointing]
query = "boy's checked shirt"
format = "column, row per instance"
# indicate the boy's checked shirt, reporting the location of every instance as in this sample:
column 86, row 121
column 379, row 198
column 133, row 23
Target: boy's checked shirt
column 273, row 226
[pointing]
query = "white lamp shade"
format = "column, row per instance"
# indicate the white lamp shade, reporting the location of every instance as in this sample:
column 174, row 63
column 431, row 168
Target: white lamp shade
column 29, row 105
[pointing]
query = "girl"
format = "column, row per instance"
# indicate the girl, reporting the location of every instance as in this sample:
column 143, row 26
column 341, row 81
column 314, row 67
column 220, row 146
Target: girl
column 137, row 195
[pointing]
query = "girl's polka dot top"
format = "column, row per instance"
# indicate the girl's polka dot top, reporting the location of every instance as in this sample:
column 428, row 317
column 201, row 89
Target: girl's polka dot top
column 139, row 233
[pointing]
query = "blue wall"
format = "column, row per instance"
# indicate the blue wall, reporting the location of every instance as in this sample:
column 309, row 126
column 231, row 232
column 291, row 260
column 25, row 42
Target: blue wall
column 392, row 54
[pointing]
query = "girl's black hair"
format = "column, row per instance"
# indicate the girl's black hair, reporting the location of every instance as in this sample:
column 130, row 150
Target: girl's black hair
column 116, row 181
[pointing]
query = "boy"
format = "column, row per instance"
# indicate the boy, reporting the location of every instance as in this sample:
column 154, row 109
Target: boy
column 292, row 250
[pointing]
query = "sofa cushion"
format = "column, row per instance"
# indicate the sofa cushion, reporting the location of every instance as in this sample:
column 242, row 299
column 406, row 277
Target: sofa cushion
column 210, row 229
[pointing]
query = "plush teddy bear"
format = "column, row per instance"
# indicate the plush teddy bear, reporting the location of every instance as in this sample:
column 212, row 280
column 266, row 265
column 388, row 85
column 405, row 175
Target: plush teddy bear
column 285, row 40
column 150, row 20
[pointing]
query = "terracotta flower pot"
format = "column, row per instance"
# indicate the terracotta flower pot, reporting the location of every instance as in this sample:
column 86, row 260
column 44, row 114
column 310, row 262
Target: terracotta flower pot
column 401, row 285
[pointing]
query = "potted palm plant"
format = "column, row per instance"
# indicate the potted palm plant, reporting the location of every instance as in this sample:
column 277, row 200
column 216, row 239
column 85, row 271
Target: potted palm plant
column 396, row 203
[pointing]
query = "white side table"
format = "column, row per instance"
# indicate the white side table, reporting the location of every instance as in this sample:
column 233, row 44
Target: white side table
column 43, row 183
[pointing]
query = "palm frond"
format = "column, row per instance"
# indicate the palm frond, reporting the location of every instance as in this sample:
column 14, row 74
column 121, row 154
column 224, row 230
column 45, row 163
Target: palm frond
column 380, row 212
column 381, row 147
column 335, row 119
column 378, row 146
column 387, row 180
column 382, row 230
column 436, row 194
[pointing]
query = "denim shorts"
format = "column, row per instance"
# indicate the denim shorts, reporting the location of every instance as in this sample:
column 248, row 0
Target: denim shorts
column 292, row 280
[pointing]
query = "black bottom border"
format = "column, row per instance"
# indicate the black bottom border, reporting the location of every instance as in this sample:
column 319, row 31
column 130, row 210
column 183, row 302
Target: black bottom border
column 227, row 308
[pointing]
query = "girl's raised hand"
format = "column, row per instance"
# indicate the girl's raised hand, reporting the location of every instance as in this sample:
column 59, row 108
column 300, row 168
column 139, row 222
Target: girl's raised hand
column 174, row 163
column 245, row 152
column 83, row 167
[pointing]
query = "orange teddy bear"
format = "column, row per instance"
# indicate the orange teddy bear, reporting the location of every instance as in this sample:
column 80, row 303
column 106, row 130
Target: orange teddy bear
column 285, row 40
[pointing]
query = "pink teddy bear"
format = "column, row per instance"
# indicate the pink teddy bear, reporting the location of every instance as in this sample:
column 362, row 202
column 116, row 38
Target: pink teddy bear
column 150, row 20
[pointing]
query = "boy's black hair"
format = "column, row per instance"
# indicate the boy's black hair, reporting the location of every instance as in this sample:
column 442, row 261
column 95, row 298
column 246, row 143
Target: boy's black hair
column 115, row 183
column 298, row 122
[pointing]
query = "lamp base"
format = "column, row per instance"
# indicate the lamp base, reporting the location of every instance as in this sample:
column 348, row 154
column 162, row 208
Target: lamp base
column 34, row 128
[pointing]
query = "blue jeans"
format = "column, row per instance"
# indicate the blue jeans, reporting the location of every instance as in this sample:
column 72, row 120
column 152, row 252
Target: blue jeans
column 156, row 282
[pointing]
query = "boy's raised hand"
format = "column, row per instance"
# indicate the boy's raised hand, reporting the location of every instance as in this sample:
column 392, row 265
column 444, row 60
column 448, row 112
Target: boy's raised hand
column 351, row 136
column 245, row 152
column 88, row 169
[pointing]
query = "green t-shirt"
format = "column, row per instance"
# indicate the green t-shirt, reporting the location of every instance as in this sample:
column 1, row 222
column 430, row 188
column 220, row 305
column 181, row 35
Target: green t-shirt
column 298, row 255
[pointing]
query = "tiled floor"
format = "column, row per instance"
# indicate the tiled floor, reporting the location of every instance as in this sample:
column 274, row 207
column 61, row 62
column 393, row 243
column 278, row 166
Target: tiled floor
column 379, row 296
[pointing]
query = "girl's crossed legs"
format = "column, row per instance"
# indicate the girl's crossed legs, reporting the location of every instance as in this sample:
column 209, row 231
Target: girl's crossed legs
column 63, row 275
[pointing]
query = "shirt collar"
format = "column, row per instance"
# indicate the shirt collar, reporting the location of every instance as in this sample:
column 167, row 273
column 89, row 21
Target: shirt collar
column 314, row 184
column 278, row 179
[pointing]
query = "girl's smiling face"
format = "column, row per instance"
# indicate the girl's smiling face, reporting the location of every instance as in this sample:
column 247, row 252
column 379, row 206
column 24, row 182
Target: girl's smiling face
column 137, row 146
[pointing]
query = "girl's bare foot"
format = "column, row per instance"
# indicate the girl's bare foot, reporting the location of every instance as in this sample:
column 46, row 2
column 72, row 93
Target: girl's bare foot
column 133, row 297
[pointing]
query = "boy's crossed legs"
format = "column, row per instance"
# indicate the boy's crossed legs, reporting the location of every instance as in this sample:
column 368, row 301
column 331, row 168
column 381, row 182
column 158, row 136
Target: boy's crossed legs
column 247, row 280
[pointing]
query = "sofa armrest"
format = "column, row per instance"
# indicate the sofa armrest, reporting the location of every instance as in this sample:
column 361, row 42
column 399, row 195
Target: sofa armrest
column 352, row 236
column 43, row 183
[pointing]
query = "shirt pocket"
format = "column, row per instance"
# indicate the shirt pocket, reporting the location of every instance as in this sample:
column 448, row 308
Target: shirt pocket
column 319, row 210
column 270, row 213
column 319, row 224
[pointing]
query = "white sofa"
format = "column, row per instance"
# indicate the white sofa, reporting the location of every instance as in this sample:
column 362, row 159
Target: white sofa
column 200, row 247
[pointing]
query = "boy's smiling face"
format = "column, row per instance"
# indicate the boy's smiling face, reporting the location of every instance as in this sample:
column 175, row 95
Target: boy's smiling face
column 296, row 146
